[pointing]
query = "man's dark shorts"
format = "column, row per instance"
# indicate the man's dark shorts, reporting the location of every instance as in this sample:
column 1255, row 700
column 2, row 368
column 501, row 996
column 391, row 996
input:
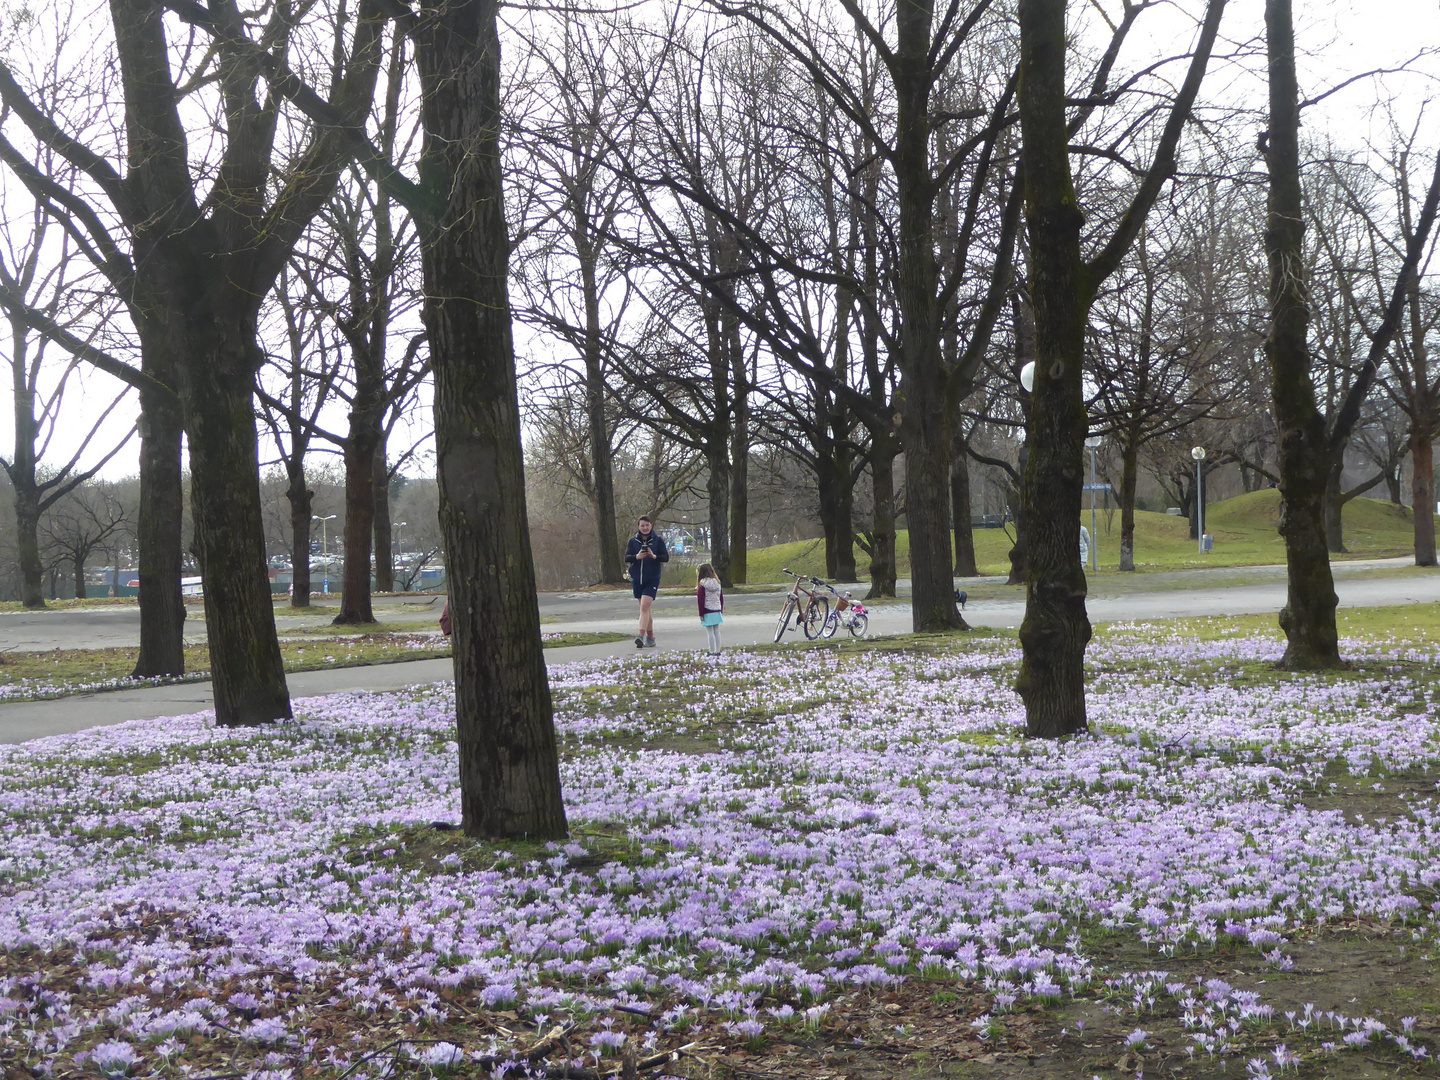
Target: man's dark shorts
column 643, row 590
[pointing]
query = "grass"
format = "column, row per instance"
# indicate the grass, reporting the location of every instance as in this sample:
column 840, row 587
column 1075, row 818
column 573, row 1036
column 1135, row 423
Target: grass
column 1244, row 528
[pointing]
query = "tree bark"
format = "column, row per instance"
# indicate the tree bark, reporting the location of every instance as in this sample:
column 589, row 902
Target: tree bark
column 1422, row 450
column 602, row 456
column 717, row 492
column 1334, row 506
column 921, row 400
column 1056, row 628
column 965, row 565
column 247, row 671
column 360, row 443
column 739, row 476
column 882, row 544
column 844, row 569
column 1129, row 476
column 509, row 764
column 382, row 535
column 158, row 536
column 302, row 501
column 1422, row 494
column 1308, row 617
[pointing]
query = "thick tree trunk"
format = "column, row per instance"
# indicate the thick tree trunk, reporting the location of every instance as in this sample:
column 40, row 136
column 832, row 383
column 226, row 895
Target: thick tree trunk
column 1334, row 506
column 1129, row 476
column 355, row 604
column 509, row 765
column 965, row 565
column 158, row 536
column 717, row 491
column 1056, row 628
column 612, row 568
column 1019, row 551
column 826, row 494
column 921, row 401
column 382, row 535
column 302, row 499
column 882, row 544
column 844, row 569
column 1422, row 494
column 1308, row 617
column 27, row 542
column 247, row 671
column 739, row 478
column 79, row 563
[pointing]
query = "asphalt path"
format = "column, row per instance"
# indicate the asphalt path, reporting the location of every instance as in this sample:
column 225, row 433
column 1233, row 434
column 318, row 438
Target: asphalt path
column 750, row 618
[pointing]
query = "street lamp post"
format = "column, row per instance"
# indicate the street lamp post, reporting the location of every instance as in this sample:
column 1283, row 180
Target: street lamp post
column 1199, row 455
column 1092, row 444
column 324, row 549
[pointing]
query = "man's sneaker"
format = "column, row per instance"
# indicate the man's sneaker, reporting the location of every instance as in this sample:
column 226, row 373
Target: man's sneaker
column 639, row 642
column 649, row 642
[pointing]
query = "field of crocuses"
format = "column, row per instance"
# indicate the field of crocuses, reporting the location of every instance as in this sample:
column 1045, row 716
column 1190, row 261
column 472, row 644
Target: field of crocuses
column 837, row 862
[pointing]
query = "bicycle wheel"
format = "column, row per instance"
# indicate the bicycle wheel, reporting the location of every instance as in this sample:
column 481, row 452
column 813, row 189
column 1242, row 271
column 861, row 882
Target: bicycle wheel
column 784, row 620
column 817, row 612
column 832, row 623
column 858, row 625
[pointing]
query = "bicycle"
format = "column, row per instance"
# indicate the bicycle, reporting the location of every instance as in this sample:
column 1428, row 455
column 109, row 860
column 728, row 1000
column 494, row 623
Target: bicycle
column 848, row 613
column 816, row 609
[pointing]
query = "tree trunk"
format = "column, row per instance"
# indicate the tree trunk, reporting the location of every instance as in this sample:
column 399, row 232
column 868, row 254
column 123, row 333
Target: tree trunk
column 302, row 499
column 717, row 491
column 844, row 569
column 1308, row 617
column 612, row 568
column 965, row 565
column 882, row 544
column 247, row 672
column 363, row 437
column 740, row 477
column 27, row 541
column 1019, row 551
column 383, row 535
column 509, row 765
column 921, row 400
column 1129, row 476
column 1056, row 629
column 1422, row 494
column 79, row 563
column 1334, row 506
column 158, row 536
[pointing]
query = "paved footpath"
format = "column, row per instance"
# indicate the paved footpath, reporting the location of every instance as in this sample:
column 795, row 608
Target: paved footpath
column 752, row 622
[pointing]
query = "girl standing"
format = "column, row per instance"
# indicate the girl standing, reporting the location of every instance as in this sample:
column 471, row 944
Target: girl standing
column 711, row 601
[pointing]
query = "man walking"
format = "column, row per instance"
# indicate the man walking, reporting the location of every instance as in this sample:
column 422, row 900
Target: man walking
column 643, row 557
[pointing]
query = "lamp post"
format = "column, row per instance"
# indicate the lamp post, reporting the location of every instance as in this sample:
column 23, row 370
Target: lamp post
column 1092, row 444
column 1199, row 455
column 324, row 549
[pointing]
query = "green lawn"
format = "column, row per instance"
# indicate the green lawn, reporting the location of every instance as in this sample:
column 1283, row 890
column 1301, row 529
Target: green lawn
column 1244, row 528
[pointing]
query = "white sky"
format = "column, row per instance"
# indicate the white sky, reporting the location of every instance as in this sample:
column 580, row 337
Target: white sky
column 1338, row 39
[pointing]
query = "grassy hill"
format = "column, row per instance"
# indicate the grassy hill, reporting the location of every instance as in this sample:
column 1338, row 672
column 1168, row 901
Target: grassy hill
column 1245, row 529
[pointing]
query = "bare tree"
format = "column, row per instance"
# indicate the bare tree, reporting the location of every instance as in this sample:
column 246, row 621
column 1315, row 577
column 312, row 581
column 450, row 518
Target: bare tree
column 1063, row 287
column 208, row 237
column 571, row 116
column 38, row 274
column 82, row 522
column 1310, row 448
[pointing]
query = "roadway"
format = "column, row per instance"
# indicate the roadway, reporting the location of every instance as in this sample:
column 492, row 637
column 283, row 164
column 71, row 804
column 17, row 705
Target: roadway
column 749, row 619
